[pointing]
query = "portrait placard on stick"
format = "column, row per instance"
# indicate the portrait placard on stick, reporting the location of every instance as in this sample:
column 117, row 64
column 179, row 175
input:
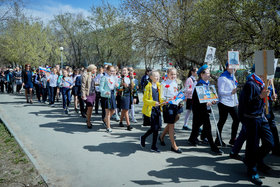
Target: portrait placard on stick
column 259, row 62
column 210, row 55
column 233, row 59
column 206, row 93
column 264, row 63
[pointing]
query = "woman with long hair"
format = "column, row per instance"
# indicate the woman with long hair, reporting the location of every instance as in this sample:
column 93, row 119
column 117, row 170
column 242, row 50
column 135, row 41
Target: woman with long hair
column 126, row 98
column 88, row 91
column 108, row 84
column 27, row 82
column 171, row 112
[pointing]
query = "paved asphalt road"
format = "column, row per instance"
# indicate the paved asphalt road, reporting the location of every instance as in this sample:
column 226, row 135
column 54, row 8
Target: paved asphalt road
column 66, row 153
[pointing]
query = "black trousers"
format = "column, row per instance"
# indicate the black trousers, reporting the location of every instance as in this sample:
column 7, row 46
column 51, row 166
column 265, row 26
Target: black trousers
column 119, row 102
column 2, row 86
column 10, row 87
column 256, row 130
column 103, row 107
column 198, row 120
column 44, row 92
column 38, row 92
column 97, row 99
column 155, row 125
column 82, row 105
column 223, row 112
column 274, row 131
column 18, row 87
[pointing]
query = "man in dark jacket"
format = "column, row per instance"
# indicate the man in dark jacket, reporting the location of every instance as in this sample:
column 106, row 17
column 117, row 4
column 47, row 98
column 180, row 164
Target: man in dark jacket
column 252, row 115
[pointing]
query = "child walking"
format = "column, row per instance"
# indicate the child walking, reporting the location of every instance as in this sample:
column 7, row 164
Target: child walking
column 171, row 112
column 152, row 109
column 66, row 85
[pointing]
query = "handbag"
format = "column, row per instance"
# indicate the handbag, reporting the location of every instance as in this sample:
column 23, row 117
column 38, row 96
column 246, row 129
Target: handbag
column 146, row 120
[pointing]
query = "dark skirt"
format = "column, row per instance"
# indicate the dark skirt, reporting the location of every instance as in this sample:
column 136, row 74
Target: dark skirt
column 110, row 103
column 28, row 85
column 189, row 104
column 75, row 91
column 90, row 100
column 126, row 102
column 170, row 112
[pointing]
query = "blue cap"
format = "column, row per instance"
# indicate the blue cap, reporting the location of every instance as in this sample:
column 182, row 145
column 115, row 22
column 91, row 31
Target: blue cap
column 202, row 68
column 107, row 63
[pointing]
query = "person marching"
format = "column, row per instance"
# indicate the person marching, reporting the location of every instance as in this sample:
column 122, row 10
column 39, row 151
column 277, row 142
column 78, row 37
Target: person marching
column 126, row 98
column 252, row 115
column 97, row 82
column 88, row 91
column 53, row 86
column 66, row 85
column 107, row 86
column 75, row 89
column 189, row 88
column 271, row 120
column 78, row 85
column 152, row 99
column 18, row 79
column 201, row 112
column 171, row 112
column 134, row 95
column 27, row 82
column 228, row 103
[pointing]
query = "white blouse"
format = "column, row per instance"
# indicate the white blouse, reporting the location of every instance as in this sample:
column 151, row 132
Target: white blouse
column 169, row 89
column 225, row 87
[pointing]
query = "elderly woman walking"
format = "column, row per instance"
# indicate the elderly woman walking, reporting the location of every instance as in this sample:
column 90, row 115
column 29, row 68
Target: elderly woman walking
column 88, row 91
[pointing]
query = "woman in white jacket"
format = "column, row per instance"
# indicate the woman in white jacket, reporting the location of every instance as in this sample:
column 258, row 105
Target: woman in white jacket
column 228, row 102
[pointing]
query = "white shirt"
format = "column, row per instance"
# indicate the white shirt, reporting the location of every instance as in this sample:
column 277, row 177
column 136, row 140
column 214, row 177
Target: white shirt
column 225, row 87
column 169, row 89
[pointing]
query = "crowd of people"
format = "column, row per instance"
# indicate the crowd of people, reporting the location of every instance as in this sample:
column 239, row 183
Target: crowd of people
column 116, row 91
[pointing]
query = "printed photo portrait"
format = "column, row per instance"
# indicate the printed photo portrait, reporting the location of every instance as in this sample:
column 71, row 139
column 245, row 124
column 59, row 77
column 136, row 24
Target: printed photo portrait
column 210, row 54
column 233, row 58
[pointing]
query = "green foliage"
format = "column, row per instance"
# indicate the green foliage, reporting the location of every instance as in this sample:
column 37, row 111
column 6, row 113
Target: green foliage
column 24, row 41
column 153, row 31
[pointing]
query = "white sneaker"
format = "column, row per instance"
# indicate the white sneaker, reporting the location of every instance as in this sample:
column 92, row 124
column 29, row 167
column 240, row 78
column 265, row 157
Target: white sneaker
column 109, row 130
column 134, row 121
column 52, row 105
column 117, row 118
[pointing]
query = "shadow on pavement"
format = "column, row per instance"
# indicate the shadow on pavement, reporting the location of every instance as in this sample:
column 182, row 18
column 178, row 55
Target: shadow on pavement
column 121, row 149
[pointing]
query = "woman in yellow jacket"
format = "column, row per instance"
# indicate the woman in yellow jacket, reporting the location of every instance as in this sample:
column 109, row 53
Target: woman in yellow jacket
column 152, row 109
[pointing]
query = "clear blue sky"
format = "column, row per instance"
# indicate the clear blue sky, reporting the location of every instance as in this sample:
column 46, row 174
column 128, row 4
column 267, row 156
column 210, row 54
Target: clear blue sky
column 45, row 9
column 85, row 4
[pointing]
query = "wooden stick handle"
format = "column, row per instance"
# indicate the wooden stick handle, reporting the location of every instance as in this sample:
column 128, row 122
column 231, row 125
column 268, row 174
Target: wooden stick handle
column 265, row 79
column 273, row 88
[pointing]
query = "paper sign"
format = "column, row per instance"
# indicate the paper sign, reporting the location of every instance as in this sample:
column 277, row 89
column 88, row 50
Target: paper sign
column 210, row 55
column 233, row 59
column 206, row 93
column 259, row 62
column 177, row 99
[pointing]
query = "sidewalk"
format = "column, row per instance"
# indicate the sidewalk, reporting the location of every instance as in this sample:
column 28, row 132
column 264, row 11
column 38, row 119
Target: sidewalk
column 68, row 154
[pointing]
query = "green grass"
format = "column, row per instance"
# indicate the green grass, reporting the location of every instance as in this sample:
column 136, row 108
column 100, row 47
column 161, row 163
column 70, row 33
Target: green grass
column 17, row 167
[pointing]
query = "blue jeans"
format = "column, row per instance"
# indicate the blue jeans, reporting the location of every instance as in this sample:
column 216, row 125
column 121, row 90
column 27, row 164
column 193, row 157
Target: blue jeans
column 52, row 93
column 66, row 97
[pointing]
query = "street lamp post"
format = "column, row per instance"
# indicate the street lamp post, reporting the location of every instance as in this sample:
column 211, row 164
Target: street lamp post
column 61, row 50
